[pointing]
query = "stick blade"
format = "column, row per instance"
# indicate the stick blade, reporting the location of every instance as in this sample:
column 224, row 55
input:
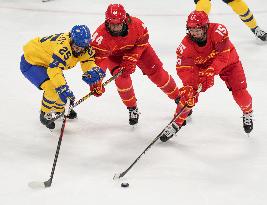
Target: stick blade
column 116, row 176
column 36, row 185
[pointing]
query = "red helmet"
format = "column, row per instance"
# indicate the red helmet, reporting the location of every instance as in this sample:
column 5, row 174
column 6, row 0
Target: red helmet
column 115, row 14
column 197, row 19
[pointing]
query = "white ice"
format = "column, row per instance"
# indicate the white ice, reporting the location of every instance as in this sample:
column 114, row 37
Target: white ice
column 210, row 162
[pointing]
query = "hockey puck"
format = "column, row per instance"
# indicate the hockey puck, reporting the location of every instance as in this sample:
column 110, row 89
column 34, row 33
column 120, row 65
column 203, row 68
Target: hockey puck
column 124, row 184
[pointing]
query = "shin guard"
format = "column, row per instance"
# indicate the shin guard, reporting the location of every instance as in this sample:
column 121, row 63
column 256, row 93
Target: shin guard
column 241, row 9
column 165, row 82
column 203, row 5
column 243, row 99
column 126, row 91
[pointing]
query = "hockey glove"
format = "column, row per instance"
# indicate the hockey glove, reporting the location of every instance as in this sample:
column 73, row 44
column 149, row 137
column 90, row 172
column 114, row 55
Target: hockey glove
column 65, row 93
column 116, row 70
column 97, row 88
column 188, row 96
column 128, row 68
column 206, row 78
column 93, row 76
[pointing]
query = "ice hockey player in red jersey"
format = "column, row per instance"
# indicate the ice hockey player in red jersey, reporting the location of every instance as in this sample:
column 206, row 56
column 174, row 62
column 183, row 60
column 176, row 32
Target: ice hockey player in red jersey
column 121, row 42
column 241, row 9
column 204, row 52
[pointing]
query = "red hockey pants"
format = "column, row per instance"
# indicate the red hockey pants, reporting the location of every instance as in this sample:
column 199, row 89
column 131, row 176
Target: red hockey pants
column 235, row 80
column 151, row 66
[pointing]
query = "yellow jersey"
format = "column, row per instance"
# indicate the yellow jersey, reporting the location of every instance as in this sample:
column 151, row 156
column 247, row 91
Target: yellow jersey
column 55, row 54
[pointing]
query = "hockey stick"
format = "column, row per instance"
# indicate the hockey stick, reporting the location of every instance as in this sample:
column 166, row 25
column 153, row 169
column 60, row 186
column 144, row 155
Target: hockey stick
column 44, row 1
column 87, row 96
column 122, row 174
column 42, row 185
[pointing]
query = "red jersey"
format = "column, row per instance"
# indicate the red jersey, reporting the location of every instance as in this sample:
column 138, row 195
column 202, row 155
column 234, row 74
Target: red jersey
column 128, row 47
column 218, row 52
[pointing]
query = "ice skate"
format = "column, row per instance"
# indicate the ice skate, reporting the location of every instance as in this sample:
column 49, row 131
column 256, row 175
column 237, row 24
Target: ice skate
column 169, row 132
column 133, row 115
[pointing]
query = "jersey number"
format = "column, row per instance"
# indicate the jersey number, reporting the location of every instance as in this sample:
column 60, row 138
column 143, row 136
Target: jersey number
column 221, row 30
column 97, row 39
column 179, row 61
column 181, row 48
column 65, row 52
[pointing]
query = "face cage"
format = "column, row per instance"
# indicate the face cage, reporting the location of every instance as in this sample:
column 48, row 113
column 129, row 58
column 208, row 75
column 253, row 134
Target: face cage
column 198, row 40
column 76, row 54
column 123, row 32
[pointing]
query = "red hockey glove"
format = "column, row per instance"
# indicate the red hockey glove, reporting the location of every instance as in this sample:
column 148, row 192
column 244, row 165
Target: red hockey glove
column 206, row 78
column 116, row 70
column 188, row 96
column 128, row 68
column 97, row 88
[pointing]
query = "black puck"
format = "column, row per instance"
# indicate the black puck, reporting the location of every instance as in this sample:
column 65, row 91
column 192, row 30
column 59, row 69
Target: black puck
column 124, row 184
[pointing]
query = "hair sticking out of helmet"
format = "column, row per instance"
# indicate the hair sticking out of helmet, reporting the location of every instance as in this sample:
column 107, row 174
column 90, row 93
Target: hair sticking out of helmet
column 197, row 19
column 80, row 35
column 115, row 14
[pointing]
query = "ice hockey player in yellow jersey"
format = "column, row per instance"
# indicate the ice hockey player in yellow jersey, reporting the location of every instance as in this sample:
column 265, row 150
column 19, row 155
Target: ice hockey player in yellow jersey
column 45, row 59
column 241, row 9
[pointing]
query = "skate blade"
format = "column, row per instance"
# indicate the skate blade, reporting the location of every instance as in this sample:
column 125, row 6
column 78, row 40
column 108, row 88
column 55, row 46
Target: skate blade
column 259, row 41
column 134, row 126
column 36, row 185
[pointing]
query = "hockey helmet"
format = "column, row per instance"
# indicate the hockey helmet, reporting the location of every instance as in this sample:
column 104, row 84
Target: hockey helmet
column 197, row 25
column 197, row 19
column 115, row 14
column 80, row 35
